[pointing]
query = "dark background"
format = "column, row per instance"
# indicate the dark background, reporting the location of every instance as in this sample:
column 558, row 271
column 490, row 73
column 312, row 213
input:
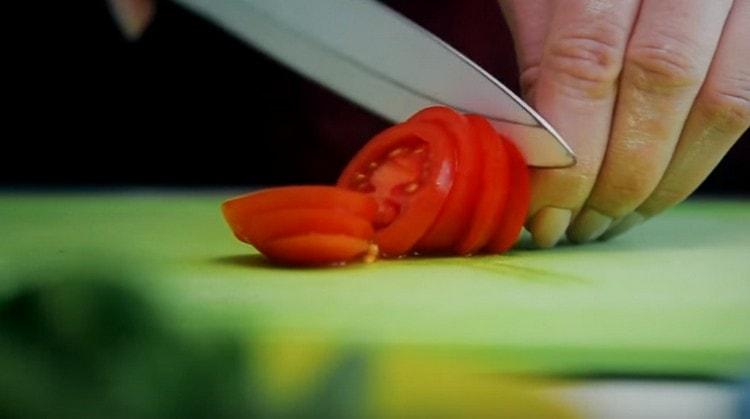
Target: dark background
column 189, row 106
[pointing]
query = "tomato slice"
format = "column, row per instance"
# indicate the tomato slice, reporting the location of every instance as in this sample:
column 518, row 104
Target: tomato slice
column 239, row 209
column 304, row 225
column 517, row 207
column 409, row 170
column 260, row 228
column 316, row 249
column 454, row 218
column 494, row 182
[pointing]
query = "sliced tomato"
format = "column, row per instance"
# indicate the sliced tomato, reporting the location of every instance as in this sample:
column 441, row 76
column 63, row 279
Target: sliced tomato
column 307, row 216
column 517, row 207
column 409, row 170
column 239, row 209
column 494, row 182
column 316, row 249
column 260, row 228
column 456, row 213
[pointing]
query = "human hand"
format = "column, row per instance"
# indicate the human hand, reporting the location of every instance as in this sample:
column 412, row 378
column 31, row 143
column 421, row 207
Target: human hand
column 650, row 95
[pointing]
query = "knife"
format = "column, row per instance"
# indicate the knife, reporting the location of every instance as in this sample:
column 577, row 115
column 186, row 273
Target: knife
column 386, row 63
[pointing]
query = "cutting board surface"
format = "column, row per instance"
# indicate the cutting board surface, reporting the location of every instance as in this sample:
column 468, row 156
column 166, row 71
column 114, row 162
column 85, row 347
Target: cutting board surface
column 672, row 297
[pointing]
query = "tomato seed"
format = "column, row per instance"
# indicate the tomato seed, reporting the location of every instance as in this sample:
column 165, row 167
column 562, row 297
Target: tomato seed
column 372, row 253
column 411, row 188
column 396, row 152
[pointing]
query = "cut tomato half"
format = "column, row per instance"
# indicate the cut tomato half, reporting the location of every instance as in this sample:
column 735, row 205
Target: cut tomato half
column 409, row 170
column 260, row 228
column 517, row 207
column 316, row 249
column 493, row 183
column 455, row 216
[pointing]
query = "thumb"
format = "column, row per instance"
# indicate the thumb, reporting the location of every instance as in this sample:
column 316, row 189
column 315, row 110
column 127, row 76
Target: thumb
column 132, row 16
column 528, row 21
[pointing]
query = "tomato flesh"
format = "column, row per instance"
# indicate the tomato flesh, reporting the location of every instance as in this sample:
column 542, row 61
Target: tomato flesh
column 408, row 169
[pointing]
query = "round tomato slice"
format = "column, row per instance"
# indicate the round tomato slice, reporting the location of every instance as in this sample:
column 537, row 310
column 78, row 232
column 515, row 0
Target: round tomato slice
column 409, row 170
column 454, row 218
column 316, row 249
column 493, row 185
column 241, row 208
column 517, row 207
column 260, row 228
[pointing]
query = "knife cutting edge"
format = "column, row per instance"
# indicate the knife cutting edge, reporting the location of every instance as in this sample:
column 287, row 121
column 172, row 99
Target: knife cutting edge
column 381, row 60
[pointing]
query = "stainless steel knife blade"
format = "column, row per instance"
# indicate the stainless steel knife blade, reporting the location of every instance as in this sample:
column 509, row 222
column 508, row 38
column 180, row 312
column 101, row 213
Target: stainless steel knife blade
column 379, row 59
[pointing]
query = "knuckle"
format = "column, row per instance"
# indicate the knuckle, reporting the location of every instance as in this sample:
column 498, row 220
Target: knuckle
column 663, row 65
column 726, row 104
column 624, row 193
column 529, row 77
column 587, row 60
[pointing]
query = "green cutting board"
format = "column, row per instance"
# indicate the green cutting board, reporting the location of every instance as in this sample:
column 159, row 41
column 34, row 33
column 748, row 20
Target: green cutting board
column 672, row 297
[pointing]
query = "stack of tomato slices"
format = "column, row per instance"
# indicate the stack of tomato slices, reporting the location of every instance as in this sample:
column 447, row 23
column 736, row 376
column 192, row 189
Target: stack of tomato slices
column 439, row 183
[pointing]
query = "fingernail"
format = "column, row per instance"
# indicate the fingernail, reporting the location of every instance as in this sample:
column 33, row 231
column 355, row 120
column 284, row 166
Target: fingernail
column 588, row 225
column 623, row 224
column 132, row 16
column 548, row 225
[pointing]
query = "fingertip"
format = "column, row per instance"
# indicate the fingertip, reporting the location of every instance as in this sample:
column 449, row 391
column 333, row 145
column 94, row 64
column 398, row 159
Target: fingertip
column 548, row 226
column 622, row 225
column 132, row 16
column 588, row 225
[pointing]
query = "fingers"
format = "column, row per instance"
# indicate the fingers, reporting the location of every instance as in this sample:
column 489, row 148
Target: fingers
column 719, row 116
column 576, row 93
column 528, row 21
column 666, row 62
column 132, row 16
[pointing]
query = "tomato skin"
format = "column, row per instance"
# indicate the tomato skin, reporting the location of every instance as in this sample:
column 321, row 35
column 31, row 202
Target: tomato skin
column 404, row 213
column 456, row 213
column 322, row 197
column 517, row 208
column 493, row 183
column 315, row 249
column 260, row 228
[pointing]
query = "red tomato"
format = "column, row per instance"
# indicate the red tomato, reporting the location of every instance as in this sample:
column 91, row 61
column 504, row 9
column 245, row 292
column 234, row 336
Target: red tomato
column 517, row 207
column 265, row 226
column 409, row 170
column 455, row 216
column 316, row 249
column 493, row 186
column 440, row 182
